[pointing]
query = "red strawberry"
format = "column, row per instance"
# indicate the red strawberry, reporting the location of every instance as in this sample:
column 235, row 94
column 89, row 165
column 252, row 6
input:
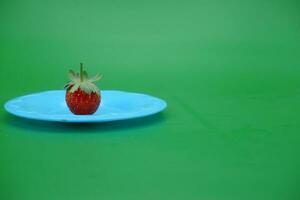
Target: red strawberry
column 82, row 96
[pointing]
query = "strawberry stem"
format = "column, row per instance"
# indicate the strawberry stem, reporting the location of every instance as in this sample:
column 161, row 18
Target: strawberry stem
column 81, row 72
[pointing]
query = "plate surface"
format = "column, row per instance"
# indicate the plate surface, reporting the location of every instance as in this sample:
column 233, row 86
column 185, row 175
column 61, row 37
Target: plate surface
column 115, row 105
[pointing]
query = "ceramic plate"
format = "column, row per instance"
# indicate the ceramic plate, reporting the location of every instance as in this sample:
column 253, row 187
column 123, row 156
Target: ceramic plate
column 115, row 105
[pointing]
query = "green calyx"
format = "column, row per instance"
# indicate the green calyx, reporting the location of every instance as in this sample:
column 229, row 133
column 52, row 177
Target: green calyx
column 82, row 81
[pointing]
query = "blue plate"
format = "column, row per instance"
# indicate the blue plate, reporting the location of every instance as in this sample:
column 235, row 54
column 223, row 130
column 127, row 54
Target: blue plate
column 115, row 105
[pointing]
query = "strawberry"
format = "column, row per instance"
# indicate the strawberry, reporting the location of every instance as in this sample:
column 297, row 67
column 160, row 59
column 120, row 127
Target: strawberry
column 82, row 95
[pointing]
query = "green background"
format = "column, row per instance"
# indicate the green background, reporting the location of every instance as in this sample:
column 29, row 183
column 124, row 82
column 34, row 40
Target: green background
column 229, row 71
